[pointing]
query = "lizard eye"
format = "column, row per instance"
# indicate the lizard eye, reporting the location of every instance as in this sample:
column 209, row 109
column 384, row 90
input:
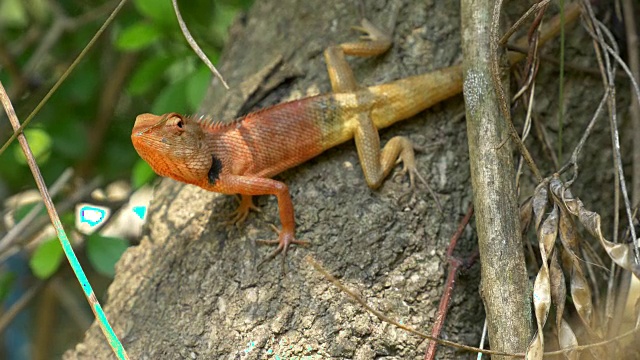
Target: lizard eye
column 177, row 124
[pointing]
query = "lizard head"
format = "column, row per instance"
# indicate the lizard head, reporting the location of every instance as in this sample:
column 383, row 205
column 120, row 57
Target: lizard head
column 173, row 145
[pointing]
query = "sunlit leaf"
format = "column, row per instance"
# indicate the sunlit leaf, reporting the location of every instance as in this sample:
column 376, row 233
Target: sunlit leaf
column 568, row 232
column 535, row 350
column 581, row 295
column 13, row 13
column 46, row 259
column 40, row 144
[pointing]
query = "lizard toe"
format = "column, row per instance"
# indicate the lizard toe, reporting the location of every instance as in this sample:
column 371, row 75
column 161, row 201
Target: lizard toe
column 285, row 239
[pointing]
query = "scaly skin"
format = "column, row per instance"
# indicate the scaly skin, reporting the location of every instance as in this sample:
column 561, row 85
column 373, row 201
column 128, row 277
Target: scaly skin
column 241, row 157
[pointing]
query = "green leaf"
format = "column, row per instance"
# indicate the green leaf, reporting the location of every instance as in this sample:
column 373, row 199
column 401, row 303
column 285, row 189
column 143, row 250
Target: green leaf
column 6, row 283
column 104, row 251
column 40, row 144
column 172, row 98
column 13, row 13
column 142, row 174
column 197, row 84
column 46, row 260
column 148, row 74
column 137, row 36
column 160, row 11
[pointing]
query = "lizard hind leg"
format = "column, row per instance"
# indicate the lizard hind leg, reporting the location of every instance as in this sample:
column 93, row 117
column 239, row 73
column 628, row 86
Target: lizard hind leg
column 377, row 163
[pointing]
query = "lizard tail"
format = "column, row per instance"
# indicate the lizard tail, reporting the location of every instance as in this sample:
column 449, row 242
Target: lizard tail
column 406, row 97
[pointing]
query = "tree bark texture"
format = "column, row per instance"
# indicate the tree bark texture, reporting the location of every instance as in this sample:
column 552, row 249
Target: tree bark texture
column 191, row 288
column 505, row 286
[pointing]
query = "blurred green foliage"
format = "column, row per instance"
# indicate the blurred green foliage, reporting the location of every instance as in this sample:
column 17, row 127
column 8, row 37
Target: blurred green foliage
column 142, row 63
column 104, row 251
column 166, row 76
column 46, row 259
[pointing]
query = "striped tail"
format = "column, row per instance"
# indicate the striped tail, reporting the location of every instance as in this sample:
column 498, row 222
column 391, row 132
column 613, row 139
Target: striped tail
column 406, row 97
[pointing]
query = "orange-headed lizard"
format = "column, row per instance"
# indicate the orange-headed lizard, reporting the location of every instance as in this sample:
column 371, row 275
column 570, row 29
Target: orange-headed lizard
column 241, row 156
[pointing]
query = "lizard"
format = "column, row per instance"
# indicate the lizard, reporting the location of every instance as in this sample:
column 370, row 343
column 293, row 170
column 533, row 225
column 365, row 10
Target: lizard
column 242, row 156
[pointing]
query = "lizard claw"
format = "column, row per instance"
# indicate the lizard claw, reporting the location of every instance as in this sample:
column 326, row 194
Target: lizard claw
column 240, row 214
column 371, row 33
column 413, row 173
column 285, row 238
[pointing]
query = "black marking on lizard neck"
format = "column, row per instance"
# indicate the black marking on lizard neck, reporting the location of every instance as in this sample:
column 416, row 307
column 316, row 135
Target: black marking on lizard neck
column 214, row 172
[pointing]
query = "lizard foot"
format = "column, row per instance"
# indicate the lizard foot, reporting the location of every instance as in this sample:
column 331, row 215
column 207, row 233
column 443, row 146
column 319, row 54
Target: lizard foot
column 371, row 32
column 285, row 238
column 240, row 214
column 413, row 173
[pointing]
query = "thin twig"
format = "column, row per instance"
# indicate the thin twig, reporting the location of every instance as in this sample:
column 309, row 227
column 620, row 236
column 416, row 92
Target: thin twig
column 585, row 135
column 63, row 77
column 388, row 320
column 20, row 227
column 194, row 45
column 561, row 83
column 19, row 305
column 101, row 318
column 633, row 55
column 70, row 303
column 454, row 265
column 40, row 222
column 483, row 337
column 596, row 33
column 535, row 7
column 502, row 100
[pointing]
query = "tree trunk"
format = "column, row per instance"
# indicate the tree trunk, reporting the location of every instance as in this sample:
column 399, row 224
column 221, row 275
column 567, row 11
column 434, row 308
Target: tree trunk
column 191, row 288
column 505, row 286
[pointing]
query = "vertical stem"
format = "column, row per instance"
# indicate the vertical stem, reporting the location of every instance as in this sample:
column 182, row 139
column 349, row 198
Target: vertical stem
column 561, row 85
column 505, row 285
column 101, row 317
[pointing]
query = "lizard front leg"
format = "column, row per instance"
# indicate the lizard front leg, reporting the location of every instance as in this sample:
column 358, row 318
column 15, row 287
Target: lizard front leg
column 240, row 214
column 376, row 163
column 248, row 186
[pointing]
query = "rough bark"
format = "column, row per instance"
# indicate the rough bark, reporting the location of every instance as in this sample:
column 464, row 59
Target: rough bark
column 505, row 286
column 191, row 288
